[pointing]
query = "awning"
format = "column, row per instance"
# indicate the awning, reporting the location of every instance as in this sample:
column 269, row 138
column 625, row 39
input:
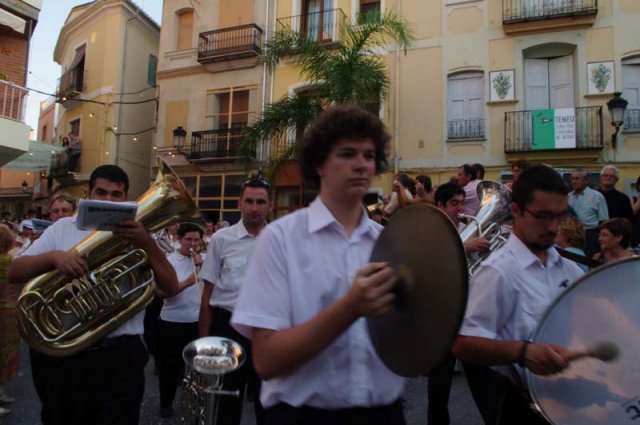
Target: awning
column 12, row 21
column 38, row 158
column 78, row 58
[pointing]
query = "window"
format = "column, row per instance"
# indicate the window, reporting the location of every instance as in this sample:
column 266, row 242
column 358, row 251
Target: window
column 72, row 81
column 369, row 6
column 74, row 127
column 216, row 195
column 631, row 92
column 43, row 137
column 185, row 29
column 152, row 67
column 466, row 106
column 233, row 108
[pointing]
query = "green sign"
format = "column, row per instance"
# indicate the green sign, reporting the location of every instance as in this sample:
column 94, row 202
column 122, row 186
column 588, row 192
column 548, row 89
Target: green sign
column 554, row 129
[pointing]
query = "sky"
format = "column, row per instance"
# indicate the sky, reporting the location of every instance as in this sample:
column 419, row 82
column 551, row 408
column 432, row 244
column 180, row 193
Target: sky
column 43, row 71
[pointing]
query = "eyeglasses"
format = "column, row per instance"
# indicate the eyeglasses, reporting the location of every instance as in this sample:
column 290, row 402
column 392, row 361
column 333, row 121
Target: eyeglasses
column 609, row 176
column 256, row 182
column 547, row 216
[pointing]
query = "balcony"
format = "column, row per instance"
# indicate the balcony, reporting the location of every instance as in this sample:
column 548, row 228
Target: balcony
column 531, row 15
column 70, row 84
column 460, row 130
column 632, row 120
column 216, row 144
column 227, row 44
column 324, row 27
column 14, row 132
column 580, row 131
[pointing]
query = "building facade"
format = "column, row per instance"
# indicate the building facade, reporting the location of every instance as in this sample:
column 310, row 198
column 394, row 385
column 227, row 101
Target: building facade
column 108, row 51
column 211, row 85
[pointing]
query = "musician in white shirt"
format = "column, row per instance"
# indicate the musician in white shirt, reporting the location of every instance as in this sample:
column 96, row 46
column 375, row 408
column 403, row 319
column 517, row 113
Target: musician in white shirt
column 310, row 286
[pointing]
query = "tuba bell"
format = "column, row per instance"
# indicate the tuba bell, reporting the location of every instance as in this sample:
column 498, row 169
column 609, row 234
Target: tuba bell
column 494, row 212
column 60, row 316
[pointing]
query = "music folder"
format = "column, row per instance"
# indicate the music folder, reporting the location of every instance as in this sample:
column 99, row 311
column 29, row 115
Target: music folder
column 104, row 215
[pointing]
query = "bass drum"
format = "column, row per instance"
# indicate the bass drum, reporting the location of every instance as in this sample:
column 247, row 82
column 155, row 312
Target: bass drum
column 602, row 306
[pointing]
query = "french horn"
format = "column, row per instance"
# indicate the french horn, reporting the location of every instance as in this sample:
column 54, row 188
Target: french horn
column 60, row 316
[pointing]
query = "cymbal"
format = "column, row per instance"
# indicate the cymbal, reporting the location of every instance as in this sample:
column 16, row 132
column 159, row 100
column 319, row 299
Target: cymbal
column 422, row 245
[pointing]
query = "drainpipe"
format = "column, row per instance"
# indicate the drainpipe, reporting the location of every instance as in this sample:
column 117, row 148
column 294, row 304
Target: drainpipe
column 396, row 130
column 265, row 70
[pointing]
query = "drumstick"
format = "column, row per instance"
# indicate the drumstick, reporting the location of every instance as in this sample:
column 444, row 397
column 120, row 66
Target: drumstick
column 605, row 351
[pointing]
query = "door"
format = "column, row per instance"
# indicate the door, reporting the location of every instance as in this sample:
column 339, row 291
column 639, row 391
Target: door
column 466, row 106
column 318, row 20
column 631, row 92
column 561, row 82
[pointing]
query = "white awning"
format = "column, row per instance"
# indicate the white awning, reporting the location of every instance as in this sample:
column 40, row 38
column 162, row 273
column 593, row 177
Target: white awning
column 12, row 21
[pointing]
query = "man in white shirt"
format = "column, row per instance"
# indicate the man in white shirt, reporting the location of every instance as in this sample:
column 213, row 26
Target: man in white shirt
column 178, row 323
column 105, row 383
column 310, row 286
column 512, row 289
column 466, row 178
column 223, row 273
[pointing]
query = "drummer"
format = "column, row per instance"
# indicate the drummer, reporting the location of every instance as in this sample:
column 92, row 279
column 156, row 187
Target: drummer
column 512, row 289
column 309, row 286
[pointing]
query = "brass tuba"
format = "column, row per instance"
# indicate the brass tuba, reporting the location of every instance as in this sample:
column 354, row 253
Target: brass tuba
column 60, row 316
column 494, row 212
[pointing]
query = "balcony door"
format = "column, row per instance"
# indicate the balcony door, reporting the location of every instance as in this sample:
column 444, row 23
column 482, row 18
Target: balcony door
column 466, row 106
column 318, row 19
column 631, row 92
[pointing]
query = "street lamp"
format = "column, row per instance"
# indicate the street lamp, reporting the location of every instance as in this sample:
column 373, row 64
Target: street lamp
column 617, row 106
column 179, row 135
column 25, row 186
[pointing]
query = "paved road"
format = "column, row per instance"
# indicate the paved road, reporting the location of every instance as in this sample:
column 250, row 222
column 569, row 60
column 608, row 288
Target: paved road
column 27, row 409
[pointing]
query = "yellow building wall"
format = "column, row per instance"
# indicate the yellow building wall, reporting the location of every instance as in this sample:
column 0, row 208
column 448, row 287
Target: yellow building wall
column 465, row 20
column 234, row 13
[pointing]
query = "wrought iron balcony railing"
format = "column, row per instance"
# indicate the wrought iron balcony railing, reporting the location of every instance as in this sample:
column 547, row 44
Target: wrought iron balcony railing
column 216, row 144
column 632, row 119
column 465, row 129
column 71, row 83
column 229, row 43
column 533, row 10
column 13, row 101
column 324, row 26
column 519, row 131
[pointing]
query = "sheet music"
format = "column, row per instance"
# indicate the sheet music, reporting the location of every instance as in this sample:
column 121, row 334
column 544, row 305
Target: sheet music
column 104, row 215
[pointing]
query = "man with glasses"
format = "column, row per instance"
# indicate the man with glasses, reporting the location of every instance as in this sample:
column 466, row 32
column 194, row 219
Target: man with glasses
column 512, row 289
column 618, row 204
column 310, row 286
column 223, row 272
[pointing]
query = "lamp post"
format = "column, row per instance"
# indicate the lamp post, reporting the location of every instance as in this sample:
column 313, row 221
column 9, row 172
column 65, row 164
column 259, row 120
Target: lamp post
column 25, row 186
column 179, row 136
column 617, row 106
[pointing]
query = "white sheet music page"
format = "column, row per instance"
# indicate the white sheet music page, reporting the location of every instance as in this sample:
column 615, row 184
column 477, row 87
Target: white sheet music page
column 104, row 215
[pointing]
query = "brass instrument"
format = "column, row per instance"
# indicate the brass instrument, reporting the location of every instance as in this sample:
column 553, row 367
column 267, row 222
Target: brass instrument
column 163, row 240
column 206, row 361
column 60, row 316
column 198, row 283
column 494, row 212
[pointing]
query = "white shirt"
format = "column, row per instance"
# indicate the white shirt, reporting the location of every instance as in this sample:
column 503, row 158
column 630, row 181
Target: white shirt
column 62, row 236
column 185, row 306
column 471, row 201
column 226, row 263
column 304, row 262
column 511, row 291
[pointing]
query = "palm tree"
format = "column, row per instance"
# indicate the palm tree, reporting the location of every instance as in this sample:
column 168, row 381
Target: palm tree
column 349, row 70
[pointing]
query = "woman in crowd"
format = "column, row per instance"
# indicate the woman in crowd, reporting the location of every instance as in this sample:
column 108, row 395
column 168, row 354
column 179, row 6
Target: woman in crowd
column 403, row 190
column 517, row 167
column 571, row 237
column 614, row 238
column 9, row 337
column 61, row 205
column 424, row 189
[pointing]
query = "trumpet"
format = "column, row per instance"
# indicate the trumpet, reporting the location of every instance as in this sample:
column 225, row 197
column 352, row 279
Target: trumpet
column 196, row 267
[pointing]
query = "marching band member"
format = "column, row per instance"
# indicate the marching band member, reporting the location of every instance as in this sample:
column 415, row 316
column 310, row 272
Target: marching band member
column 178, row 324
column 223, row 272
column 105, row 383
column 309, row 288
column 512, row 289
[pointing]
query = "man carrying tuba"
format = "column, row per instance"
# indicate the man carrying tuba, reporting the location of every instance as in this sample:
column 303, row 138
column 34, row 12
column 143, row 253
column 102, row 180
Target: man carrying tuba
column 105, row 383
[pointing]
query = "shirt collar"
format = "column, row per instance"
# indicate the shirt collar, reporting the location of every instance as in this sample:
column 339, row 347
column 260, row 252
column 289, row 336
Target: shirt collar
column 320, row 217
column 241, row 231
column 525, row 257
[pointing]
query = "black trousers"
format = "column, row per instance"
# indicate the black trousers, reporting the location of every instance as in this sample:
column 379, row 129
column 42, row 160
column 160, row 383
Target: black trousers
column 516, row 409
column 488, row 389
column 99, row 386
column 171, row 339
column 284, row 414
column 230, row 408
column 438, row 391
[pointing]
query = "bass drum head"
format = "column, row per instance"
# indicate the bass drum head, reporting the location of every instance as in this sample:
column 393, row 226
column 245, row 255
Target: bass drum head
column 421, row 243
column 602, row 306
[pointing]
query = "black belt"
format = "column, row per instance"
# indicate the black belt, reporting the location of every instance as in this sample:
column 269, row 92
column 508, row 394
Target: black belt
column 114, row 341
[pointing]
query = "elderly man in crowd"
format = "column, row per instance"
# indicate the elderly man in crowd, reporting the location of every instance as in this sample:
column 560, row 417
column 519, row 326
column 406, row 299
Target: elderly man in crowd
column 590, row 207
column 618, row 204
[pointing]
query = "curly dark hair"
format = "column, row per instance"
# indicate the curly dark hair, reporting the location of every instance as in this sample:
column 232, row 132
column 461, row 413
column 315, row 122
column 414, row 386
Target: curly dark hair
column 350, row 122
